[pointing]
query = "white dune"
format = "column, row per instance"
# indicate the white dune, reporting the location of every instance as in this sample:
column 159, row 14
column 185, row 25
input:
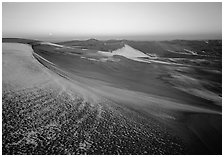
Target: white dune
column 126, row 51
column 129, row 52
column 136, row 55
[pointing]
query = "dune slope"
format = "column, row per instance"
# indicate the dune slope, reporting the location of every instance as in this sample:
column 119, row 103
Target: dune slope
column 44, row 113
column 57, row 103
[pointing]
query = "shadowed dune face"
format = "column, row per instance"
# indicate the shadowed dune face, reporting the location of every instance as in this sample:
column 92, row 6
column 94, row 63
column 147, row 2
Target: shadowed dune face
column 131, row 72
column 104, row 104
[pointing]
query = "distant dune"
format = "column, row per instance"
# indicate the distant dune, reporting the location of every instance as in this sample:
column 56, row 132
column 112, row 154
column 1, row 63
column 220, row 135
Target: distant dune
column 129, row 52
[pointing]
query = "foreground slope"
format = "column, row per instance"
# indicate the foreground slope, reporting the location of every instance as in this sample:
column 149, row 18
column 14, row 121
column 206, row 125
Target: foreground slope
column 44, row 113
column 58, row 100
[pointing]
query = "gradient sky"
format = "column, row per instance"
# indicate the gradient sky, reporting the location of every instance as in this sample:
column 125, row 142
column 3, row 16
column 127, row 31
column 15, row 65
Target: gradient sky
column 153, row 21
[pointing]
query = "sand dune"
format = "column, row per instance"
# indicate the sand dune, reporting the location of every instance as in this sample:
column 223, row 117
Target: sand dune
column 136, row 55
column 129, row 52
column 54, row 110
column 58, row 104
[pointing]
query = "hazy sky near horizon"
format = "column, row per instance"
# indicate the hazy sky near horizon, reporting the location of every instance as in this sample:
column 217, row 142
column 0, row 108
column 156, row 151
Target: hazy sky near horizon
column 124, row 20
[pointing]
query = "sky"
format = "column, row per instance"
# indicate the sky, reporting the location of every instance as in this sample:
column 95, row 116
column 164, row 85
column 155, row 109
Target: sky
column 136, row 21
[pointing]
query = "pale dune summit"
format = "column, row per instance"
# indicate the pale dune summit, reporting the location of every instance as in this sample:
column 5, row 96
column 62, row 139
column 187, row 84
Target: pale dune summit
column 129, row 52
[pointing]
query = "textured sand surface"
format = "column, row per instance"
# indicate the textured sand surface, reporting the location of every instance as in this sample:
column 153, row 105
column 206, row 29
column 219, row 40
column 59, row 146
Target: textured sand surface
column 52, row 106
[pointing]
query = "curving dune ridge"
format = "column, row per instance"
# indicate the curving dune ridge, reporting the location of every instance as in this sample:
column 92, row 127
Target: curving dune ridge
column 52, row 115
column 50, row 108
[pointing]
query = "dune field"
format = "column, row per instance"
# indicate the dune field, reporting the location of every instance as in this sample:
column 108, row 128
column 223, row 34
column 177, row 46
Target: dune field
column 111, row 97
